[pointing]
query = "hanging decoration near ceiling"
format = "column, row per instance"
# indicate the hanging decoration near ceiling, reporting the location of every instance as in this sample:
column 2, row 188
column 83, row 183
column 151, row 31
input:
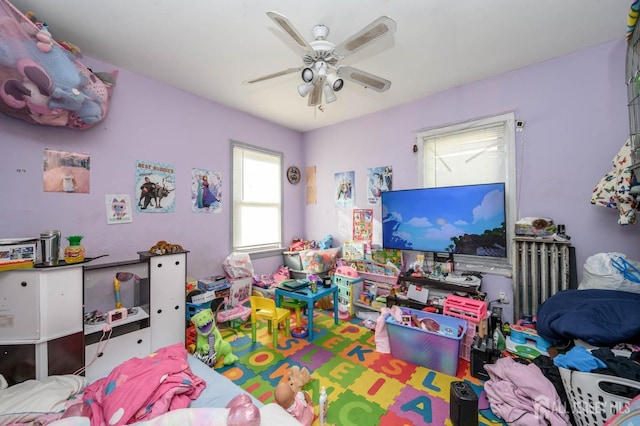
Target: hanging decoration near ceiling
column 42, row 82
column 320, row 73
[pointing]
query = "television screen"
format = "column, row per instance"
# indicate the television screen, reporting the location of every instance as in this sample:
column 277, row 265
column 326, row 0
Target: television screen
column 468, row 219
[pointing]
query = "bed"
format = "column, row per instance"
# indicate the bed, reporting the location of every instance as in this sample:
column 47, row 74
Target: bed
column 199, row 395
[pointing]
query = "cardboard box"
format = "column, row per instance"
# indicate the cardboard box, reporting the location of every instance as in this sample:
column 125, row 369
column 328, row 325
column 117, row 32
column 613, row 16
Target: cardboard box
column 213, row 283
column 435, row 350
column 208, row 296
column 240, row 290
column 18, row 253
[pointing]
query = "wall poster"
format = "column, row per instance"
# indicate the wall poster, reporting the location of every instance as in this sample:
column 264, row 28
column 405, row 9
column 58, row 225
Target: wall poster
column 363, row 225
column 118, row 208
column 155, row 187
column 206, row 191
column 379, row 180
column 345, row 189
column 66, row 172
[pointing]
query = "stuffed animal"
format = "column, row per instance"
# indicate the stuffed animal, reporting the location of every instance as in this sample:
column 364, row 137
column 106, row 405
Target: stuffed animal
column 209, row 341
column 163, row 247
column 298, row 378
column 290, row 396
column 326, row 242
column 68, row 86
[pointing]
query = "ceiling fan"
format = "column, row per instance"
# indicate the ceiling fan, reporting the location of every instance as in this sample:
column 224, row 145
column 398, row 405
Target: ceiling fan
column 320, row 71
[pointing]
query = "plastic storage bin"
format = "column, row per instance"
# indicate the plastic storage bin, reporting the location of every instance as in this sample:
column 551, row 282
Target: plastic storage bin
column 434, row 350
column 292, row 260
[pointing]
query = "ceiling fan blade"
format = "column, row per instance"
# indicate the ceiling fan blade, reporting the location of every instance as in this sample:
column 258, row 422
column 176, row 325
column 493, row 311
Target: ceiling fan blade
column 274, row 75
column 381, row 27
column 315, row 97
column 288, row 28
column 370, row 81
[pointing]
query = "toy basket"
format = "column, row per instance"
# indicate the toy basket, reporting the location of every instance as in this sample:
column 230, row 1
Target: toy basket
column 589, row 394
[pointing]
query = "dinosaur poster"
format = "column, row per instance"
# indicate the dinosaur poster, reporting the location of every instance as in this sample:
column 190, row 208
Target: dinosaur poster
column 155, row 187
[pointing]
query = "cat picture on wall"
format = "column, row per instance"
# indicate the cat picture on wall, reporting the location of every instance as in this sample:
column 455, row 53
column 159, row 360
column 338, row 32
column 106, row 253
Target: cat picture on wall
column 118, row 208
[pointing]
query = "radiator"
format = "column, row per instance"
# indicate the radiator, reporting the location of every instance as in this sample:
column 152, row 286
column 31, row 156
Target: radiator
column 540, row 270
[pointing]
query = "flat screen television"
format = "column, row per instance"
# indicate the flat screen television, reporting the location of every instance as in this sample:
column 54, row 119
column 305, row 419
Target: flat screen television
column 469, row 220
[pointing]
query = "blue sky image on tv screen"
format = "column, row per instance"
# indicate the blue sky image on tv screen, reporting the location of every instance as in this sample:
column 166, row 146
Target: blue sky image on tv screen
column 466, row 219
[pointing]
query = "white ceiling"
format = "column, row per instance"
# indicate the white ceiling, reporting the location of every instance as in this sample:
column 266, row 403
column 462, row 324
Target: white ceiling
column 210, row 47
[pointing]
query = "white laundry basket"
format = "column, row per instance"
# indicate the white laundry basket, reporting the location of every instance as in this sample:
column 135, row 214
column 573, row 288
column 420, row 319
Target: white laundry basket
column 590, row 404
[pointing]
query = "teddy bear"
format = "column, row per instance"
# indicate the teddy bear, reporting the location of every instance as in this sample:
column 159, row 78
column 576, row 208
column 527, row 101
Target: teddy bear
column 298, row 378
column 290, row 396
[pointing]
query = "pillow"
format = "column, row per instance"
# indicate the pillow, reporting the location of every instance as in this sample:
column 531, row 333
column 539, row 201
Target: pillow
column 43, row 83
column 26, row 401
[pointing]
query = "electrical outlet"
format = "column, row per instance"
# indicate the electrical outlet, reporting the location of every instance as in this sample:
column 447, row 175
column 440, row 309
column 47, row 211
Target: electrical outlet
column 502, row 297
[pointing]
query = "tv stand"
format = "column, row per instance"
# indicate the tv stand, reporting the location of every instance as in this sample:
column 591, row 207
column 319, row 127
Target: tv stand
column 430, row 283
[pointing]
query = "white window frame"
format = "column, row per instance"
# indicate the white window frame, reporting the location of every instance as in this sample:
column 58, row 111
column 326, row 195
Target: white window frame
column 498, row 266
column 261, row 248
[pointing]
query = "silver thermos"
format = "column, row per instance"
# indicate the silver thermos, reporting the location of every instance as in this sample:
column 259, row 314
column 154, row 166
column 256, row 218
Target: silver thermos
column 50, row 247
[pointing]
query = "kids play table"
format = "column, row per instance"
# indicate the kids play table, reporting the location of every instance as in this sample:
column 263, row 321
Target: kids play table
column 308, row 296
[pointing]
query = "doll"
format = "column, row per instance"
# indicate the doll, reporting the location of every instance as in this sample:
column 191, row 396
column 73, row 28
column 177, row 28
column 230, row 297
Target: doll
column 290, row 396
column 299, row 404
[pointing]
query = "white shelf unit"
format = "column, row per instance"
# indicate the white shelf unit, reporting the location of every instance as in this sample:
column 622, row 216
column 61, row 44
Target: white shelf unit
column 40, row 322
column 157, row 294
column 168, row 277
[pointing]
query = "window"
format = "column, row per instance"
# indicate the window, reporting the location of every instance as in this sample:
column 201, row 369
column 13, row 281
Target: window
column 257, row 199
column 481, row 151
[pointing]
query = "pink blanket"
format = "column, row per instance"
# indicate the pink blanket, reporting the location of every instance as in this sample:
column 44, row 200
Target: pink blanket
column 144, row 388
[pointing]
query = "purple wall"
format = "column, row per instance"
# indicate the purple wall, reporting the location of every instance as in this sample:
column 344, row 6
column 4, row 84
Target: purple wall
column 574, row 108
column 576, row 120
column 147, row 121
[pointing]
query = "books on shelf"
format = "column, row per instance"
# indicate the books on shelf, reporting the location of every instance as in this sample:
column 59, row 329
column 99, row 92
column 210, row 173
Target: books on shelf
column 389, row 269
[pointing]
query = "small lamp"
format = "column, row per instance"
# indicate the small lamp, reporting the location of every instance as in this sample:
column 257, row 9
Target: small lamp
column 336, row 83
column 329, row 96
column 307, row 75
column 305, row 88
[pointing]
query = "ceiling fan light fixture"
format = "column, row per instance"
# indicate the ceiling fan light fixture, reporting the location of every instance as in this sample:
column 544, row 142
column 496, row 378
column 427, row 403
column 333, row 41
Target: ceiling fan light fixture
column 307, row 75
column 329, row 95
column 305, row 88
column 336, row 82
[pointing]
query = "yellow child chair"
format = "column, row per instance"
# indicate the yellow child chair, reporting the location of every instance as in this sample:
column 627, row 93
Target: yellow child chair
column 266, row 308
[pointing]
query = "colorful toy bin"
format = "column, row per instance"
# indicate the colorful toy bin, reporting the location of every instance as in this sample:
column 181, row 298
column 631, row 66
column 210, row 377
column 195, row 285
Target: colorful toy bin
column 436, row 350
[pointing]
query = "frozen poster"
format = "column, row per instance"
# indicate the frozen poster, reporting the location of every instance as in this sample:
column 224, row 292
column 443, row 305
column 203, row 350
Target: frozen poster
column 206, row 191
column 345, row 189
column 155, row 187
column 378, row 181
